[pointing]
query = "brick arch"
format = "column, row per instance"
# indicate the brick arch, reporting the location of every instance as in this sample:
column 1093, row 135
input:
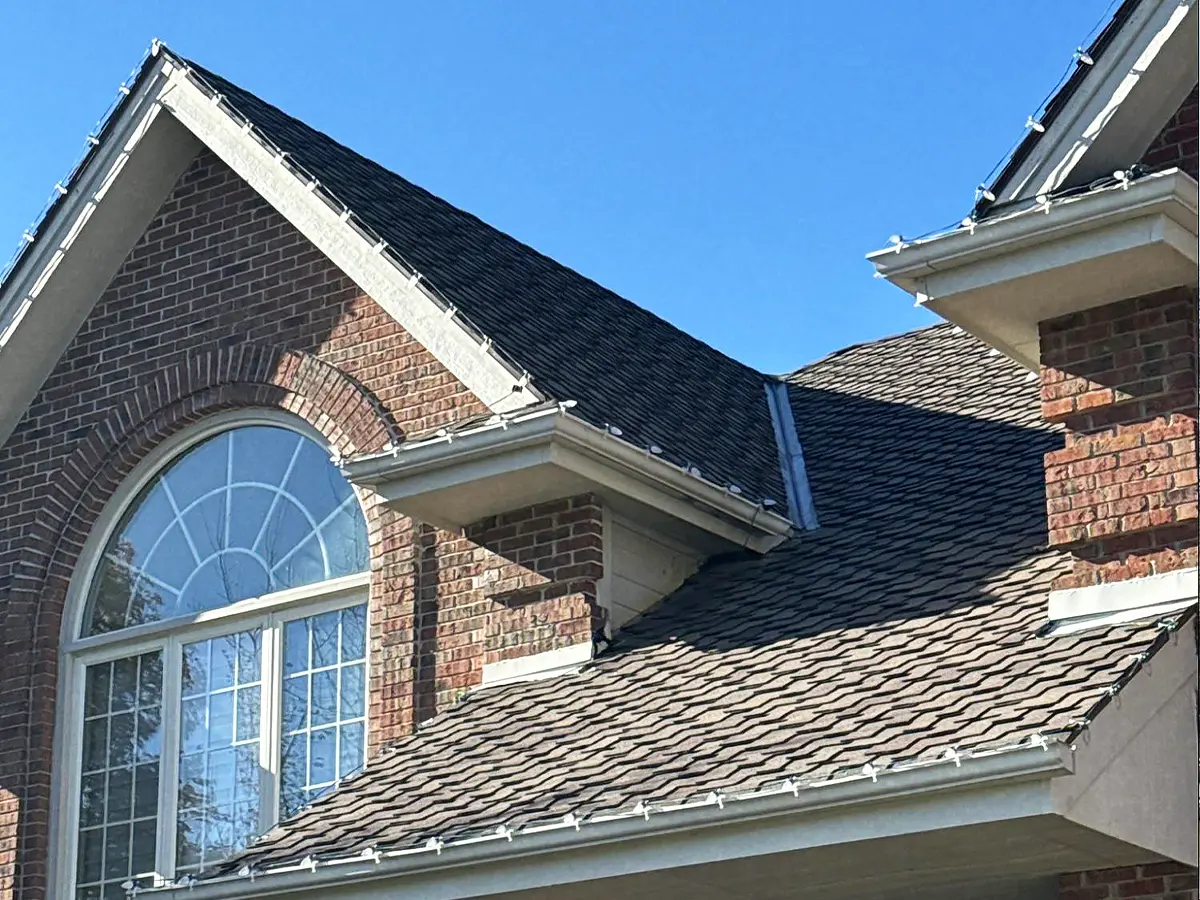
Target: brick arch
column 244, row 376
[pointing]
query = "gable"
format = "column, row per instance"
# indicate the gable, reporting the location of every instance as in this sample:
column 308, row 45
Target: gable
column 1125, row 86
column 217, row 267
column 470, row 294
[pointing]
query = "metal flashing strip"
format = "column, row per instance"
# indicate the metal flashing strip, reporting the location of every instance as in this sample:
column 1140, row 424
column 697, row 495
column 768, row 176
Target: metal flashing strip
column 1123, row 617
column 791, row 455
column 1119, row 596
column 538, row 666
column 1118, row 603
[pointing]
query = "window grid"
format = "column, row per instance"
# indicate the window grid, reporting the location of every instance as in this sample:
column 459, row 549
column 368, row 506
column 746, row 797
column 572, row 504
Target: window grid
column 118, row 802
column 220, row 728
column 248, row 512
column 142, row 768
column 324, row 704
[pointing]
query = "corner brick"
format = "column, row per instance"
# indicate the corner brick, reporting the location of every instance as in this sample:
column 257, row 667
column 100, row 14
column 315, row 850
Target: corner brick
column 1122, row 379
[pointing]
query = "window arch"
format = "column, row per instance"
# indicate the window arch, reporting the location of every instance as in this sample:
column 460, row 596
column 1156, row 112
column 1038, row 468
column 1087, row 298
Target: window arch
column 244, row 513
column 215, row 675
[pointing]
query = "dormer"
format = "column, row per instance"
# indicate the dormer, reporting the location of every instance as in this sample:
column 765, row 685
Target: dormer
column 570, row 529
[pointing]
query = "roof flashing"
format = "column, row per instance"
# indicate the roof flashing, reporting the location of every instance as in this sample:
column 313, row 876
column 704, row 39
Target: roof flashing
column 1117, row 603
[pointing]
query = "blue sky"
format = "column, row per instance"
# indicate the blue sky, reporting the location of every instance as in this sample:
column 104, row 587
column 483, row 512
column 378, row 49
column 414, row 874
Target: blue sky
column 725, row 164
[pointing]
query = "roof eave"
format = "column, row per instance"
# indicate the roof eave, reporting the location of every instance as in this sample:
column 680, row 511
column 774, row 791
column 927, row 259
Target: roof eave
column 523, row 459
column 777, row 807
column 1002, row 276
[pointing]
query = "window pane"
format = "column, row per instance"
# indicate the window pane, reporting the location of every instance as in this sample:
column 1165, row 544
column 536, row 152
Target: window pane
column 324, row 704
column 353, row 693
column 244, row 513
column 122, row 742
column 324, row 639
column 350, row 753
column 354, row 633
column 218, row 751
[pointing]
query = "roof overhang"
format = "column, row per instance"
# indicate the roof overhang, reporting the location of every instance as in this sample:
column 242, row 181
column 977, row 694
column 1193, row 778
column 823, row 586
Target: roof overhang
column 509, row 462
column 1108, row 120
column 1002, row 276
column 104, row 208
column 943, row 828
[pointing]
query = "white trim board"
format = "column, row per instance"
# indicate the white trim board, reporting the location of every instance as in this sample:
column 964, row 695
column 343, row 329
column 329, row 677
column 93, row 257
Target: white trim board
column 454, row 480
column 1076, row 609
column 536, row 666
column 1116, row 112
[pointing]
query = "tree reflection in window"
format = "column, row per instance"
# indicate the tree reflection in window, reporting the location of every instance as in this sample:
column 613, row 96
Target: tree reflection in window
column 245, row 513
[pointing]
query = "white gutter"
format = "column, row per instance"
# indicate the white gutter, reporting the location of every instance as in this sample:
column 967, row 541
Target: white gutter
column 674, row 487
column 1172, row 191
column 1037, row 760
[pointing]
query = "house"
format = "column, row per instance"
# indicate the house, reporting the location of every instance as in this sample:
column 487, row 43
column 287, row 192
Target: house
column 350, row 547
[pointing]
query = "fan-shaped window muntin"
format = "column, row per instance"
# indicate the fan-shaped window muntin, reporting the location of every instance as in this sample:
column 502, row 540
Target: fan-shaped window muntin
column 247, row 512
column 218, row 681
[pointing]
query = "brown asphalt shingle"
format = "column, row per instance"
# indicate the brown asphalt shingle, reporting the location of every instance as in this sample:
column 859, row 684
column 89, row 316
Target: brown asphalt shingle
column 906, row 624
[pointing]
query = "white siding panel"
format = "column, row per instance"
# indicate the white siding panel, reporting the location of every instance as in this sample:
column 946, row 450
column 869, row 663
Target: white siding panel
column 643, row 568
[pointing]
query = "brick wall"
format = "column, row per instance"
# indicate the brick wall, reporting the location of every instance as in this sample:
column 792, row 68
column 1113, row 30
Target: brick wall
column 1178, row 144
column 223, row 304
column 1121, row 378
column 520, row 583
column 1156, row 881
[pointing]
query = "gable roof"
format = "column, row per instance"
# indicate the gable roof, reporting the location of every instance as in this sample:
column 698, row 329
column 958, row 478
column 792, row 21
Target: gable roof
column 623, row 366
column 908, row 624
column 1120, row 90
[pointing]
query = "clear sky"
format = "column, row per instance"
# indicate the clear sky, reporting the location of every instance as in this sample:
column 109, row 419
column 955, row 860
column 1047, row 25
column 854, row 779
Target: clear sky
column 725, row 163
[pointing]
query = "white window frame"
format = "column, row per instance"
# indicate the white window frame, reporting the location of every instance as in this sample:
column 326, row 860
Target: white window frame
column 269, row 612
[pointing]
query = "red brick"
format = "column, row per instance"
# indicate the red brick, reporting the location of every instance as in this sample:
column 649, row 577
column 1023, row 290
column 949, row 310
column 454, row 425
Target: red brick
column 1122, row 379
column 223, row 304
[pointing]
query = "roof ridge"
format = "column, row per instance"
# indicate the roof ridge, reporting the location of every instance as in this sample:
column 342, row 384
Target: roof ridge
column 834, row 354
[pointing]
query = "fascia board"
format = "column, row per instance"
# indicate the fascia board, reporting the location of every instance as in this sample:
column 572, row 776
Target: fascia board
column 1119, row 103
column 47, row 297
column 1172, row 192
column 591, row 453
column 401, row 294
column 1006, row 786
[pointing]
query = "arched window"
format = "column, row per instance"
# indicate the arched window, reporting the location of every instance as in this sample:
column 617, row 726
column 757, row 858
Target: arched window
column 215, row 676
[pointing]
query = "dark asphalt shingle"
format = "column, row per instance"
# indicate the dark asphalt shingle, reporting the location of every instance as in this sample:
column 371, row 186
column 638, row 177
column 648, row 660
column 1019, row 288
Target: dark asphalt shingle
column 579, row 340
